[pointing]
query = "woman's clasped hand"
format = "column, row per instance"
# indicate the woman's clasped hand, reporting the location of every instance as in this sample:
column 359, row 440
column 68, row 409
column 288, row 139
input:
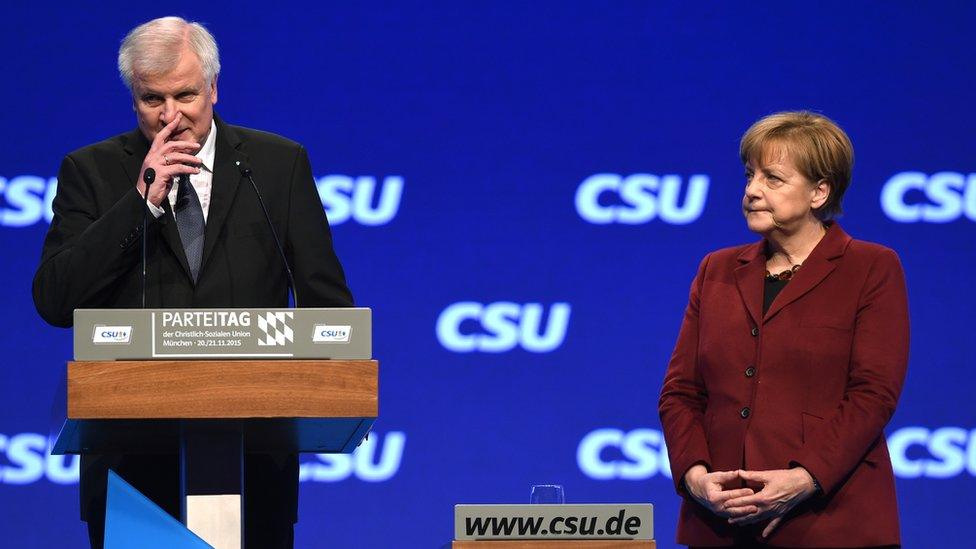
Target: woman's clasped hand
column 749, row 497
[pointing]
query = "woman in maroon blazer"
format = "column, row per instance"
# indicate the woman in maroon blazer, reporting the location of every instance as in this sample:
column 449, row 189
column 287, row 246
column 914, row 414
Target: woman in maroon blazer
column 789, row 362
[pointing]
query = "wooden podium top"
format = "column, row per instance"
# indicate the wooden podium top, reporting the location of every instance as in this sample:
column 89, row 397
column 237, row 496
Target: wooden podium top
column 184, row 389
column 278, row 405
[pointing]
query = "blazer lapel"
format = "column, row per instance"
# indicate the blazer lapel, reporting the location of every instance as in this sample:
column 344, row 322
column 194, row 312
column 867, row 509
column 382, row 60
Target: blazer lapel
column 817, row 266
column 749, row 279
column 136, row 147
column 226, row 177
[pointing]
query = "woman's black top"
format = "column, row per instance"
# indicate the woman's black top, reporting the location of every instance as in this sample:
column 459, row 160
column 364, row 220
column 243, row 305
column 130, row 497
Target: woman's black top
column 770, row 291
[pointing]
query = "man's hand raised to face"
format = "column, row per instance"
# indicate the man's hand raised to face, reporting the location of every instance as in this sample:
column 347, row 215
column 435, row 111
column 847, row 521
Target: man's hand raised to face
column 169, row 159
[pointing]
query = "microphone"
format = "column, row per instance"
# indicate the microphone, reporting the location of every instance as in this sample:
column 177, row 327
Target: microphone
column 148, row 177
column 246, row 172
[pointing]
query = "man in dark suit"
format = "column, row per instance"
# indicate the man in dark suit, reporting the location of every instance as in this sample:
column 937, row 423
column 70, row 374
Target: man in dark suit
column 208, row 243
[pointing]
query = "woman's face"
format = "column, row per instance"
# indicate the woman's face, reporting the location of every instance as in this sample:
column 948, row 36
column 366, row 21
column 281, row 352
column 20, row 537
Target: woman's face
column 777, row 196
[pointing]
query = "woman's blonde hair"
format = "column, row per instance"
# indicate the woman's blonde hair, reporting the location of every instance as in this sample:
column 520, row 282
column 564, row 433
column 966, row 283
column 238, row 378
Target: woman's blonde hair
column 817, row 145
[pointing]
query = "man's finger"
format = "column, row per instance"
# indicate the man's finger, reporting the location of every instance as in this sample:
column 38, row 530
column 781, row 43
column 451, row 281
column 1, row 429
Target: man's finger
column 771, row 526
column 179, row 146
column 177, row 169
column 183, row 158
column 164, row 133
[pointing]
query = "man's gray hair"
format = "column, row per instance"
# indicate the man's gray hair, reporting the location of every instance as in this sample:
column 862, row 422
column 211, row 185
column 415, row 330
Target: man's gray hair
column 154, row 48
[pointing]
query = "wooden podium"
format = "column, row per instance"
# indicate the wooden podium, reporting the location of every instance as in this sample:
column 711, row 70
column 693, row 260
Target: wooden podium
column 211, row 412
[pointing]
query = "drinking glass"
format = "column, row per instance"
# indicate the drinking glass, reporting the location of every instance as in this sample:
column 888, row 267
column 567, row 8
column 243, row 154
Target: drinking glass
column 547, row 494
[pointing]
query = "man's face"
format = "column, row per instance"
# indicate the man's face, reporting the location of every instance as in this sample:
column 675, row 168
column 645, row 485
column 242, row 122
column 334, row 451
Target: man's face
column 157, row 98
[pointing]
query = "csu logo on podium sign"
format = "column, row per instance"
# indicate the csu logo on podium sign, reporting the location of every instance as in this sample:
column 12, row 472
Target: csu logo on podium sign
column 498, row 327
column 911, row 197
column 111, row 335
column 360, row 199
column 325, row 333
column 606, row 198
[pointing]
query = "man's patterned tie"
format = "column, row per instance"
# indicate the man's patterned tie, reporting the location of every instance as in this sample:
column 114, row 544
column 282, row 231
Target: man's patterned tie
column 189, row 221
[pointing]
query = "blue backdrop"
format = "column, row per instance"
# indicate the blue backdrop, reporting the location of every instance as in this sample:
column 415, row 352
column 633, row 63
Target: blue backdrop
column 522, row 192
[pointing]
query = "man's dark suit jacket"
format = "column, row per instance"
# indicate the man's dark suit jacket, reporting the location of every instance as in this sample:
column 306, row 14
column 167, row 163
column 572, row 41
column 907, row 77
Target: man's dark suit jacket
column 92, row 259
column 812, row 383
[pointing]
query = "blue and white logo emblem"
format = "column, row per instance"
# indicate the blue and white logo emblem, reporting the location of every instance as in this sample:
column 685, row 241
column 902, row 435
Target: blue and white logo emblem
column 112, row 335
column 331, row 334
column 276, row 330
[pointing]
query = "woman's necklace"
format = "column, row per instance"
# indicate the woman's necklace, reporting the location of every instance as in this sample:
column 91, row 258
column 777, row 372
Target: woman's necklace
column 785, row 275
column 788, row 273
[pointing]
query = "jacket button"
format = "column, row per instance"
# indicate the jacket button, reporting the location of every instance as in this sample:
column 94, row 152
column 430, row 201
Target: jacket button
column 755, row 332
column 745, row 412
column 750, row 371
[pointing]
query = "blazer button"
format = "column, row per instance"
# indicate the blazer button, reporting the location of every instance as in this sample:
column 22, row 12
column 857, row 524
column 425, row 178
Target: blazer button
column 755, row 332
column 750, row 371
column 745, row 412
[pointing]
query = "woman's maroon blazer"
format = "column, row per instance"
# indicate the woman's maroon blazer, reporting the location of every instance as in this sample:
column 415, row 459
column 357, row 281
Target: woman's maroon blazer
column 811, row 383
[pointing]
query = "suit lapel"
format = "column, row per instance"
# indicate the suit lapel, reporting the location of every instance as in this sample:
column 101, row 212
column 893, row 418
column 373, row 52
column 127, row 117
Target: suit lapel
column 226, row 177
column 749, row 279
column 135, row 147
column 815, row 269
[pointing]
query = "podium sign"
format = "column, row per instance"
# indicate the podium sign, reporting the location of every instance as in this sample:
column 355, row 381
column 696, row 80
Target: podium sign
column 147, row 334
column 624, row 521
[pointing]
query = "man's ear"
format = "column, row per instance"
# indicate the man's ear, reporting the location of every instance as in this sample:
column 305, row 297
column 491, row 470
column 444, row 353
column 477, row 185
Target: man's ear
column 213, row 90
